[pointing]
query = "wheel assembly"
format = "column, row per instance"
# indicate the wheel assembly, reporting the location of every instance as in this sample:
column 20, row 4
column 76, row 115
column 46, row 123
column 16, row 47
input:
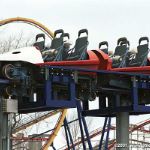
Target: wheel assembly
column 7, row 71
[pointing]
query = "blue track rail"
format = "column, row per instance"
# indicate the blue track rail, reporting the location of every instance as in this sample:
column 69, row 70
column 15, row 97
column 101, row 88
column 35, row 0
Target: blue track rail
column 59, row 90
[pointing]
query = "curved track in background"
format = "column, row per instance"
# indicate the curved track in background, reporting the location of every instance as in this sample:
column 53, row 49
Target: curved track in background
column 28, row 21
column 50, row 35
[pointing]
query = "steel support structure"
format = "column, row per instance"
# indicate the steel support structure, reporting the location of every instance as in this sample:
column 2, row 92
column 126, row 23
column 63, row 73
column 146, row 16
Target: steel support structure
column 122, row 131
column 67, row 138
column 103, row 132
column 81, row 130
column 5, row 129
column 109, row 83
column 53, row 146
column 106, row 128
column 107, row 135
column 82, row 124
column 68, row 135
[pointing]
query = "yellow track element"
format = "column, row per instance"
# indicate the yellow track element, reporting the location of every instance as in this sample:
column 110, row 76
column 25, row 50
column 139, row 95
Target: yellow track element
column 55, row 132
column 28, row 21
column 35, row 121
column 51, row 35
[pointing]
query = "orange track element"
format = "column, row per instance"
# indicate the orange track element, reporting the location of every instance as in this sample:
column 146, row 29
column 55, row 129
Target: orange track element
column 55, row 132
column 28, row 21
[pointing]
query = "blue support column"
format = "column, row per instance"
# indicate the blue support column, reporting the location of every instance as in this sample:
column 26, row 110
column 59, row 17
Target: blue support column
column 67, row 139
column 53, row 146
column 135, row 93
column 81, row 128
column 108, row 131
column 85, row 125
column 70, row 136
column 103, row 132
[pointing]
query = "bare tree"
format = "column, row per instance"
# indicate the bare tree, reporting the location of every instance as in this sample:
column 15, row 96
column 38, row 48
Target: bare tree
column 15, row 41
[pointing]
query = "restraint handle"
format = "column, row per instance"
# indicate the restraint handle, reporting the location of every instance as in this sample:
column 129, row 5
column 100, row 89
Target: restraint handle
column 41, row 35
column 103, row 43
column 58, row 32
column 83, row 31
column 143, row 39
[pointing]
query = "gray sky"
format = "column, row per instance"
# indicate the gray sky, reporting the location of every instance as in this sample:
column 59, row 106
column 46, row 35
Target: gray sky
column 105, row 19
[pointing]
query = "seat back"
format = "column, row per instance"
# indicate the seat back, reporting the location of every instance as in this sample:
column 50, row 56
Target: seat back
column 66, row 35
column 122, row 47
column 105, row 50
column 119, row 58
column 54, row 53
column 57, row 42
column 40, row 44
column 142, row 49
column 142, row 52
column 66, row 46
column 80, row 47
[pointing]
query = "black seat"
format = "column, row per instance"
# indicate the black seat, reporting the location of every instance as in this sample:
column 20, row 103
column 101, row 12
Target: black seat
column 121, row 48
column 40, row 44
column 66, row 46
column 105, row 50
column 119, row 57
column 56, row 46
column 57, row 42
column 66, row 35
column 142, row 53
column 79, row 52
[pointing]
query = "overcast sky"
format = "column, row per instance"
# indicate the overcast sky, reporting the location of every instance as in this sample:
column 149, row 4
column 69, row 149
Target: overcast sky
column 105, row 19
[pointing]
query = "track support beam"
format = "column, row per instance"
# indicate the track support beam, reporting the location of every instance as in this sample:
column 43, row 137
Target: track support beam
column 122, row 131
column 5, row 143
